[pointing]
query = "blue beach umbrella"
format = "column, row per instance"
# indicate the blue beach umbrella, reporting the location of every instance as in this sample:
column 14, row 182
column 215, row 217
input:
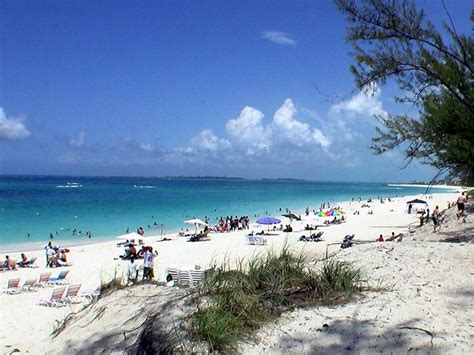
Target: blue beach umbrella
column 268, row 220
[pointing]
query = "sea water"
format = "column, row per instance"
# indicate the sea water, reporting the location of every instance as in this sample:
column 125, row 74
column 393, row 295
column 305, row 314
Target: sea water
column 33, row 207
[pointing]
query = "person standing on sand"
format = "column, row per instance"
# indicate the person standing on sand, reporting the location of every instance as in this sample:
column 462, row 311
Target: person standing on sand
column 422, row 218
column 132, row 270
column 435, row 218
column 148, row 264
column 462, row 200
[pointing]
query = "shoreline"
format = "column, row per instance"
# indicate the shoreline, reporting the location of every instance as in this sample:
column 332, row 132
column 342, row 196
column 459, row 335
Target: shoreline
column 35, row 247
column 28, row 228
column 439, row 186
column 38, row 246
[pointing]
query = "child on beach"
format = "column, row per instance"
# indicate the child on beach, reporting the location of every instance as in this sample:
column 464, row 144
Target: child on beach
column 132, row 270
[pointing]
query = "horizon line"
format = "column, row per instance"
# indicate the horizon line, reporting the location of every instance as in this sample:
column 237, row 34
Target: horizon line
column 217, row 177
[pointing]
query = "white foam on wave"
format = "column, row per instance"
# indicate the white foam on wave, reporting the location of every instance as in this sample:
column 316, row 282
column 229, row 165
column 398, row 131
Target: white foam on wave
column 144, row 187
column 68, row 186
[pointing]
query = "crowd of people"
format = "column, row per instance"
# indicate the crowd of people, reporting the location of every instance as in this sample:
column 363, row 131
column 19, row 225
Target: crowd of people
column 56, row 256
column 230, row 224
column 148, row 255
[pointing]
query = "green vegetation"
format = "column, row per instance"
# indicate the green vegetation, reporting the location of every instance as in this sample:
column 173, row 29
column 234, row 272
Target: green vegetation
column 233, row 303
column 393, row 40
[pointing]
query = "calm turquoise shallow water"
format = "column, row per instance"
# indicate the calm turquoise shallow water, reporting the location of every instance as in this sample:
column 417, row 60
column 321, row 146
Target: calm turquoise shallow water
column 108, row 206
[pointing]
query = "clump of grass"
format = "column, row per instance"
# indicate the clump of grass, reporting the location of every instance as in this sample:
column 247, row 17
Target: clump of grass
column 108, row 285
column 233, row 302
column 338, row 281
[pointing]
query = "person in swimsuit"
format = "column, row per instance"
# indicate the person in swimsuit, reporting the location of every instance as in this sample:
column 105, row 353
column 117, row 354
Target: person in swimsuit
column 462, row 200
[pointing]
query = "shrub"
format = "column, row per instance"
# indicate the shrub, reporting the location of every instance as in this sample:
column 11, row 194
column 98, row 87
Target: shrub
column 232, row 303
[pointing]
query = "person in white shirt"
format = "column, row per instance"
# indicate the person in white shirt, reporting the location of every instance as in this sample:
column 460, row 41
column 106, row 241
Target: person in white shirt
column 148, row 263
column 132, row 270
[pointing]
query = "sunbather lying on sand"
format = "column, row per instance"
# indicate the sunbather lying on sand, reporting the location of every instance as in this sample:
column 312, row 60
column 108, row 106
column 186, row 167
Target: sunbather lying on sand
column 399, row 236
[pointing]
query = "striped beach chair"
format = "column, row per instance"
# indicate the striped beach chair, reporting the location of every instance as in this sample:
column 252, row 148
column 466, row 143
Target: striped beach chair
column 29, row 285
column 13, row 286
column 55, row 300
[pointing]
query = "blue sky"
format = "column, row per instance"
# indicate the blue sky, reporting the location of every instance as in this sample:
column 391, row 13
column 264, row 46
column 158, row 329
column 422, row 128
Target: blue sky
column 156, row 88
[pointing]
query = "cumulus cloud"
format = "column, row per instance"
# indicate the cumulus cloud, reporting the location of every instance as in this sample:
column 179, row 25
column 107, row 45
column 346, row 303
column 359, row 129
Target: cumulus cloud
column 78, row 141
column 12, row 128
column 277, row 37
column 366, row 102
column 208, row 141
column 294, row 131
column 283, row 140
column 248, row 130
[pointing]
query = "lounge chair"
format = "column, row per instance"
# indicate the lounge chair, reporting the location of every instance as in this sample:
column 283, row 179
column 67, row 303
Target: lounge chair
column 29, row 263
column 347, row 241
column 189, row 278
column 55, row 300
column 171, row 274
column 196, row 277
column 43, row 279
column 199, row 238
column 60, row 280
column 256, row 240
column 72, row 295
column 184, row 278
column 29, row 285
column 13, row 286
column 315, row 237
column 5, row 268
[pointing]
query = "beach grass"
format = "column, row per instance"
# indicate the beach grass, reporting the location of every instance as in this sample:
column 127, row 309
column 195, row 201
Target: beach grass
column 232, row 303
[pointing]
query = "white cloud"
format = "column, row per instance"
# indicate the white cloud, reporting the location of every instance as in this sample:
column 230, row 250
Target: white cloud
column 78, row 141
column 366, row 102
column 12, row 128
column 208, row 141
column 277, row 37
column 248, row 130
column 294, row 131
column 281, row 140
column 146, row 147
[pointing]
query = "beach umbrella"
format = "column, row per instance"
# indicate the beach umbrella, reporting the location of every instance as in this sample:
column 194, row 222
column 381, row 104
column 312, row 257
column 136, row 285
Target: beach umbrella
column 292, row 216
column 268, row 220
column 197, row 222
column 129, row 236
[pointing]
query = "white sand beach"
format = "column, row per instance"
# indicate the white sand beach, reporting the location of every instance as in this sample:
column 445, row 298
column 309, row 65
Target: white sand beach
column 430, row 286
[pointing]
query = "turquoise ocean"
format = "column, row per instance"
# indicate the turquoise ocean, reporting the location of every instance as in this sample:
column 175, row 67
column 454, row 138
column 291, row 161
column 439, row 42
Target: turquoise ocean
column 32, row 207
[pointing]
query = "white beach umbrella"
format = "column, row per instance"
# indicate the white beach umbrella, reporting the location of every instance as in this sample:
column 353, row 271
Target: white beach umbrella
column 197, row 222
column 129, row 236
